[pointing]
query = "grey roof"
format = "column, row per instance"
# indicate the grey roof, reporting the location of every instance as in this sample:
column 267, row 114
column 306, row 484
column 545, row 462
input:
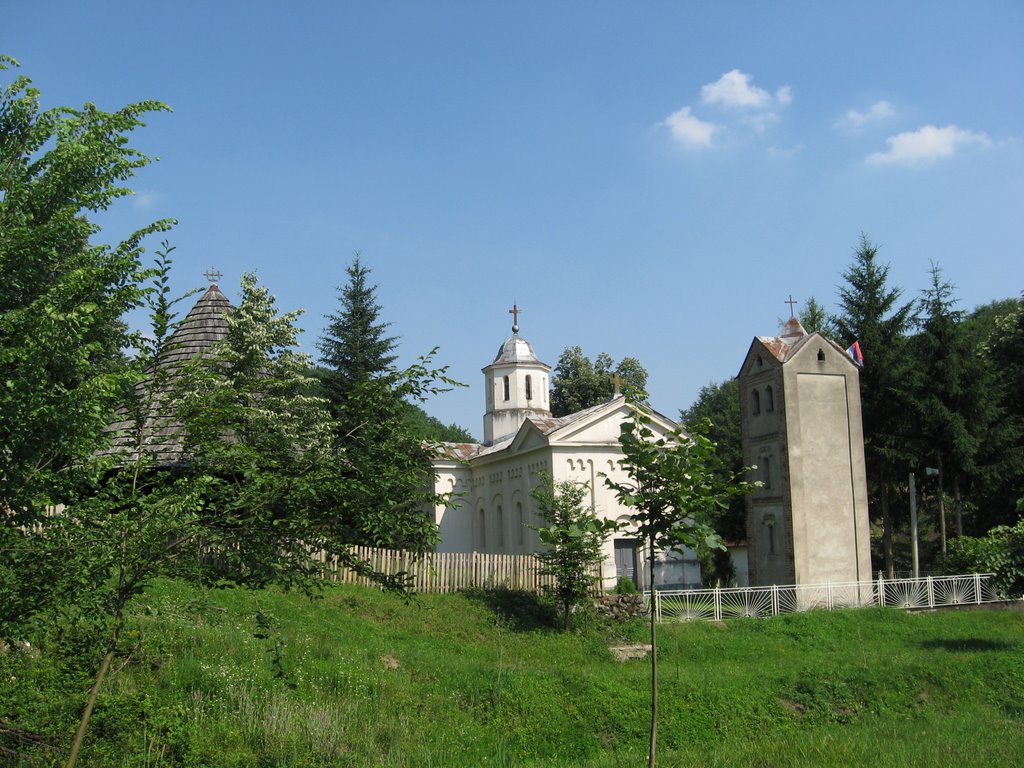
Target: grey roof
column 546, row 425
column 515, row 349
column 162, row 437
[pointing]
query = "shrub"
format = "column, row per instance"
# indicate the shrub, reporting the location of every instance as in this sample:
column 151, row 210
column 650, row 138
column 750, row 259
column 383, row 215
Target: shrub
column 1000, row 552
column 624, row 586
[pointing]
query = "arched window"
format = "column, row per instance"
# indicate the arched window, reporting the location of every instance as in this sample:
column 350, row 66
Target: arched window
column 506, row 388
column 520, row 524
column 499, row 519
column 769, row 400
column 529, row 388
column 755, row 402
column 481, row 543
column 821, row 355
column 766, row 471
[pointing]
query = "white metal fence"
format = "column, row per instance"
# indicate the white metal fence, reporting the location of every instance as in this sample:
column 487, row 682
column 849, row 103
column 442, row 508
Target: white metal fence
column 733, row 602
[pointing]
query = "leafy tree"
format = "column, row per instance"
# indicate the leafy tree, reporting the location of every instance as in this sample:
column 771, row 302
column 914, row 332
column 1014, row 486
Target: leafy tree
column 717, row 409
column 61, row 335
column 1003, row 462
column 574, row 537
column 1000, row 552
column 674, row 487
column 718, row 406
column 63, row 297
column 429, row 428
column 871, row 313
column 578, row 383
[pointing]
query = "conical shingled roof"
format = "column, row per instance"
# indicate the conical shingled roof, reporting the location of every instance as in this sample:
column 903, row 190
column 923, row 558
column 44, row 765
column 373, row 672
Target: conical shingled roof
column 203, row 326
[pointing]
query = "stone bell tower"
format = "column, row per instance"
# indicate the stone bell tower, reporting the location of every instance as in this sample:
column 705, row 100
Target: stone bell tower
column 801, row 424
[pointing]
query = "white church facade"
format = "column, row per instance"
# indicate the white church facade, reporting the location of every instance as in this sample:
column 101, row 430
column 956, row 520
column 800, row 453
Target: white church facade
column 491, row 507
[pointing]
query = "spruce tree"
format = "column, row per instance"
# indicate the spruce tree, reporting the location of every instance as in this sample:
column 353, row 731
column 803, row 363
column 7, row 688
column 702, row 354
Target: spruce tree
column 871, row 313
column 385, row 477
column 955, row 396
column 354, row 347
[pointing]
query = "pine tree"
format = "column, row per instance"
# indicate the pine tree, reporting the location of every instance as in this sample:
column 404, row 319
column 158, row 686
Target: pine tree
column 386, row 470
column 354, row 347
column 955, row 398
column 872, row 314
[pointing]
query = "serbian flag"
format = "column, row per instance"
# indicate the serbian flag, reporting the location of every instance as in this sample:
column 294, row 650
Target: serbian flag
column 856, row 354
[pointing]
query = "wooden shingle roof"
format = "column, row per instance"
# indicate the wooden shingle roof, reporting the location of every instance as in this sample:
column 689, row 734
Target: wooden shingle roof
column 162, row 437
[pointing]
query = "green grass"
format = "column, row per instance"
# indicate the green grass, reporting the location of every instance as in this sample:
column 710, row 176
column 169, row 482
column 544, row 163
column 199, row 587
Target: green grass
column 358, row 678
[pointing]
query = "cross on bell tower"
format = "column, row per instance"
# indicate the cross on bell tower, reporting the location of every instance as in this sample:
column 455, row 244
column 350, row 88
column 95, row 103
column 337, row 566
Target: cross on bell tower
column 213, row 275
column 792, row 302
column 515, row 317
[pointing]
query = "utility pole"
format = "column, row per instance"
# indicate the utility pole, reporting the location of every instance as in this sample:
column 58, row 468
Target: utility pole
column 913, row 526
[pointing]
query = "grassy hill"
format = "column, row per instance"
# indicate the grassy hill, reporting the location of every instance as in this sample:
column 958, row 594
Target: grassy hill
column 357, row 678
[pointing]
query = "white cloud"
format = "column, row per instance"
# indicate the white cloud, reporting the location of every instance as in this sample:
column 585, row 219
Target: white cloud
column 690, row 131
column 785, row 152
column 144, row 199
column 734, row 89
column 926, row 145
column 854, row 120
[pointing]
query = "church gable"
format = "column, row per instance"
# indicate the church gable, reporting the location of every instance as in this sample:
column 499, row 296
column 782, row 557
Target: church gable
column 764, row 354
column 527, row 439
column 817, row 350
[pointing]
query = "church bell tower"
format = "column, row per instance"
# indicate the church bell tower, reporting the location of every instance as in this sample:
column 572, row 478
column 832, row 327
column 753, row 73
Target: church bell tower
column 801, row 422
column 516, row 383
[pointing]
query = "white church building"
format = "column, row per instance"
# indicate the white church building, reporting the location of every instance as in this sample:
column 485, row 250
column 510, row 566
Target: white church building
column 491, row 508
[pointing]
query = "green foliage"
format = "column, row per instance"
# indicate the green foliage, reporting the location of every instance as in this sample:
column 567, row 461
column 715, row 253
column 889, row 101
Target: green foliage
column 574, row 537
column 675, row 486
column 718, row 408
column 956, row 397
column 578, row 383
column 201, row 691
column 429, row 428
column 1000, row 552
column 260, row 443
column 625, row 586
column 354, row 347
column 61, row 335
column 384, row 482
column 814, row 318
column 1003, row 462
column 871, row 313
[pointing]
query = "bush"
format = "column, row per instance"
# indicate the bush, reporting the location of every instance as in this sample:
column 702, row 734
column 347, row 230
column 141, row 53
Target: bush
column 1000, row 552
column 624, row 586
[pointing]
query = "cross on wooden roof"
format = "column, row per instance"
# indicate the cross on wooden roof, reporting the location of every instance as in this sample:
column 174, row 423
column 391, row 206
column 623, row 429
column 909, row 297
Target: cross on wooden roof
column 792, row 302
column 515, row 317
column 213, row 275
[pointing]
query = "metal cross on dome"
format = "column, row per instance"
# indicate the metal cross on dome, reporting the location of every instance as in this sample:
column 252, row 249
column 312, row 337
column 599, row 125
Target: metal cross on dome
column 515, row 317
column 213, row 275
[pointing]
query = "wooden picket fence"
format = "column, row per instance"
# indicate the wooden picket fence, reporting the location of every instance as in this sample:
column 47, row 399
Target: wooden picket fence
column 444, row 571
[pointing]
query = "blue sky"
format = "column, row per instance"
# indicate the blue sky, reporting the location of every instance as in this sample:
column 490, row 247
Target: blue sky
column 650, row 180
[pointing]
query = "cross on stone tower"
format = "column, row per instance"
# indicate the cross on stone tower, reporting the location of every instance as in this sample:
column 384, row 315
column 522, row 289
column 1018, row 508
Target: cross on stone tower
column 617, row 383
column 792, row 302
column 515, row 317
column 213, row 275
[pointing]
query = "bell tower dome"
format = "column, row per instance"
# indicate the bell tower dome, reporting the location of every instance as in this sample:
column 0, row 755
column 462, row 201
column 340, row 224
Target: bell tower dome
column 516, row 386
